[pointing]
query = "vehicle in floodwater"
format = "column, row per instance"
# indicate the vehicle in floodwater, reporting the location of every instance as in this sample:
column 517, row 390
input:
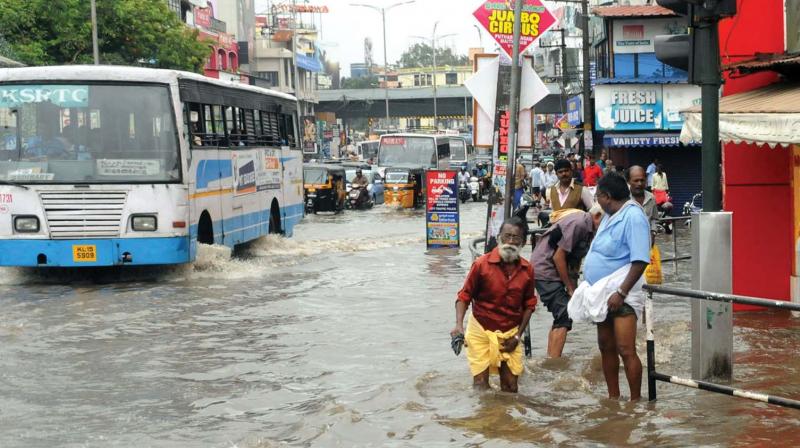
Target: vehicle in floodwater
column 111, row 166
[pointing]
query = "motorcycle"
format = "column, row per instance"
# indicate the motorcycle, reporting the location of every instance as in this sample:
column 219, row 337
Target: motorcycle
column 475, row 189
column 463, row 192
column 359, row 199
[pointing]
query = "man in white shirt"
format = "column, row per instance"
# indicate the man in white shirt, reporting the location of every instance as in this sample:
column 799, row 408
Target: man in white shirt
column 537, row 181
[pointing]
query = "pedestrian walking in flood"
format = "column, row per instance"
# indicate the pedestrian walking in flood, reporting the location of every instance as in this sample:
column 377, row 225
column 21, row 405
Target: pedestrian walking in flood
column 557, row 261
column 611, row 293
column 637, row 182
column 538, row 183
column 501, row 290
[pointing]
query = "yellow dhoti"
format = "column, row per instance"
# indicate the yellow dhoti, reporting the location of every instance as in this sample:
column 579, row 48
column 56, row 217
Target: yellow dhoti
column 483, row 349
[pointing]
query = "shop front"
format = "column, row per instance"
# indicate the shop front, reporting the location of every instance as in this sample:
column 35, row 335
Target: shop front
column 641, row 122
column 761, row 173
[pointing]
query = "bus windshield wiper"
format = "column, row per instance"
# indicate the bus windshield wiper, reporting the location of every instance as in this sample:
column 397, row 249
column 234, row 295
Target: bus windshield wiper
column 13, row 184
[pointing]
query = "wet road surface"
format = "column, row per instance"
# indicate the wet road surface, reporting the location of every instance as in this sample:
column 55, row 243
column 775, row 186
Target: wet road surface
column 339, row 337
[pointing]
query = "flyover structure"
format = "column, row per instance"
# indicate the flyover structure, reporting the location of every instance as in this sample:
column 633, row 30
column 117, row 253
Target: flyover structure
column 414, row 102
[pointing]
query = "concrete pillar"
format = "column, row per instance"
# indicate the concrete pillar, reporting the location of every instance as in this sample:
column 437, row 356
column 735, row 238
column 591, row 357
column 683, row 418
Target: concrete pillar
column 712, row 322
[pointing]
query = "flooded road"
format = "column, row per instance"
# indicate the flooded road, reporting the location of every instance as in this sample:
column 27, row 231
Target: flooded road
column 339, row 337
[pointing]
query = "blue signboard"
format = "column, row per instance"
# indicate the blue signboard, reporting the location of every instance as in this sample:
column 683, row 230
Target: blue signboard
column 628, row 107
column 574, row 109
column 441, row 218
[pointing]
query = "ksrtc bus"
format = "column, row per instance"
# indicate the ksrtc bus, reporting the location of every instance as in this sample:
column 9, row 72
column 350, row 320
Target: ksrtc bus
column 104, row 165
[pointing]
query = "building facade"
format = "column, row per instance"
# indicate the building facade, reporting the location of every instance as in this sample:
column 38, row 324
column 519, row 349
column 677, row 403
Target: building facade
column 638, row 100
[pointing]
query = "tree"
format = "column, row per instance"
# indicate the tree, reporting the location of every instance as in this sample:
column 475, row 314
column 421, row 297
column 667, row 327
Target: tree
column 368, row 82
column 421, row 55
column 50, row 32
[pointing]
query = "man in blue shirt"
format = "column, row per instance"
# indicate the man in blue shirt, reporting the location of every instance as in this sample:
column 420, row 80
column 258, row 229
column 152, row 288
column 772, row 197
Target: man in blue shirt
column 623, row 238
column 651, row 169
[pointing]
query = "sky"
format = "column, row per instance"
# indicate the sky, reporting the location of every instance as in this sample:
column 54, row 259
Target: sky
column 345, row 27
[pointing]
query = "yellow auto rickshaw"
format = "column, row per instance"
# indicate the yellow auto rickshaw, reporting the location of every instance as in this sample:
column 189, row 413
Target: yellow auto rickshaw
column 404, row 187
column 324, row 188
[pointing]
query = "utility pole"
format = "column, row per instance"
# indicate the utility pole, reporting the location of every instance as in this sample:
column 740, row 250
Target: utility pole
column 435, row 38
column 435, row 99
column 382, row 12
column 588, row 116
column 95, row 47
column 516, row 77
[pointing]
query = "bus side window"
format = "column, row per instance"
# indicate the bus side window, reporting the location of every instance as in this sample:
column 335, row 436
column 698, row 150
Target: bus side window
column 271, row 130
column 195, row 126
column 221, row 138
column 284, row 133
column 257, row 129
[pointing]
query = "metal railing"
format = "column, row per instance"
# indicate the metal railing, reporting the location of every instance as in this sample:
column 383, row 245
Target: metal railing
column 675, row 257
column 653, row 375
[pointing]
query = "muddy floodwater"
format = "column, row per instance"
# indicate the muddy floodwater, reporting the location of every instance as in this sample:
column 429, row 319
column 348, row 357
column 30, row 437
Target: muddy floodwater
column 339, row 337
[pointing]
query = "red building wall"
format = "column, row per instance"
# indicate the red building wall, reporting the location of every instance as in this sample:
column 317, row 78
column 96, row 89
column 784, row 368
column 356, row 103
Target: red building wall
column 757, row 180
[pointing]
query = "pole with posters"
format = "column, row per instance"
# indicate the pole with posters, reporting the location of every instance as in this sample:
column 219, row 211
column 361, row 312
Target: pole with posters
column 514, row 30
column 442, row 220
column 513, row 107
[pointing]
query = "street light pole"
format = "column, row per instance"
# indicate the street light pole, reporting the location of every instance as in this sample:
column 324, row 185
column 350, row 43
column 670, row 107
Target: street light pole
column 95, row 49
column 382, row 12
column 435, row 99
column 434, row 38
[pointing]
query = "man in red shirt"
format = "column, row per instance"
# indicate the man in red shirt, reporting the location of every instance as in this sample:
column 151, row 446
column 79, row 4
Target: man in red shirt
column 592, row 173
column 501, row 289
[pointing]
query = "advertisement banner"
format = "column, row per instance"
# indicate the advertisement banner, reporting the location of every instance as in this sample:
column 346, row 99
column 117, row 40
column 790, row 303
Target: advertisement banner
column 575, row 111
column 269, row 177
column 309, row 135
column 244, row 173
column 676, row 99
column 628, row 107
column 497, row 16
column 441, row 217
column 638, row 35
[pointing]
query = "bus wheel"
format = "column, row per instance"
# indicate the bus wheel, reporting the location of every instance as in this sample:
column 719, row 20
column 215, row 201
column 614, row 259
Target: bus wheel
column 205, row 229
column 275, row 219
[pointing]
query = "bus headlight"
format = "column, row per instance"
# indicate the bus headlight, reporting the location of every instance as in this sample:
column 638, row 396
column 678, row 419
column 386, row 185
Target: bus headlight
column 26, row 224
column 144, row 223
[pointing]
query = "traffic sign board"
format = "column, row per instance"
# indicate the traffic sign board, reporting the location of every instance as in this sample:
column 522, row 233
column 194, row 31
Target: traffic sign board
column 497, row 16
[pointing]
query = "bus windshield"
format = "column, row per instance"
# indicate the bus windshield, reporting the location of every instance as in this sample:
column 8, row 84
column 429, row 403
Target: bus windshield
column 407, row 151
column 87, row 133
column 458, row 150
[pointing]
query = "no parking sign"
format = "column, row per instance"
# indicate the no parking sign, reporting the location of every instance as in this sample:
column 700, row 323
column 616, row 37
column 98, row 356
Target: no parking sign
column 442, row 221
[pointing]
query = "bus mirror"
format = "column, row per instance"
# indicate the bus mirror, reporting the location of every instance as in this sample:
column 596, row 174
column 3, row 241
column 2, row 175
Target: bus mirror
column 194, row 117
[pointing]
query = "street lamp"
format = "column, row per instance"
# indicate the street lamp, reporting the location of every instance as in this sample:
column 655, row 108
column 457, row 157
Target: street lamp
column 383, row 11
column 434, row 38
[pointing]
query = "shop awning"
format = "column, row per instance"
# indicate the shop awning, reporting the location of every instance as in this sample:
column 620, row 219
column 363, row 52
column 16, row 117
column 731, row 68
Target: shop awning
column 767, row 116
column 641, row 140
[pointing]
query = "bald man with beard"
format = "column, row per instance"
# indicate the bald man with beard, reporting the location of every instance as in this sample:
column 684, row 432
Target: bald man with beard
column 637, row 182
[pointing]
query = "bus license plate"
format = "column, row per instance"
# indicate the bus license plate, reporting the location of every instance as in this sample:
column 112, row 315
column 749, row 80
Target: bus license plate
column 84, row 254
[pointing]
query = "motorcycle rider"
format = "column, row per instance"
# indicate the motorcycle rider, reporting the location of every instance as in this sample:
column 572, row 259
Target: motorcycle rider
column 463, row 176
column 360, row 180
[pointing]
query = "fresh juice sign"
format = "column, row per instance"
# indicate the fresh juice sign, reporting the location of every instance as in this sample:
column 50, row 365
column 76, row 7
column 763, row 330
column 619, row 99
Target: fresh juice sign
column 497, row 16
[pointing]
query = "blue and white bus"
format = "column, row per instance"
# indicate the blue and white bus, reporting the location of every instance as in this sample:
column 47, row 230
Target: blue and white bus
column 106, row 166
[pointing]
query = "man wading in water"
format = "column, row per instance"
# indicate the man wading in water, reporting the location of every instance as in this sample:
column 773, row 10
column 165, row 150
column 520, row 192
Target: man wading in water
column 501, row 290
column 611, row 293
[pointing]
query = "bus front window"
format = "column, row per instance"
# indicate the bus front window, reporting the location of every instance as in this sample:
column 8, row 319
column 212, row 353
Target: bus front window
column 458, row 150
column 419, row 151
column 85, row 133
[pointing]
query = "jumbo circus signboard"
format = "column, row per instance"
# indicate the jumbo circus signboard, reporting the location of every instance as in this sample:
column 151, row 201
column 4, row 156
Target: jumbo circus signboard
column 441, row 218
column 497, row 16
